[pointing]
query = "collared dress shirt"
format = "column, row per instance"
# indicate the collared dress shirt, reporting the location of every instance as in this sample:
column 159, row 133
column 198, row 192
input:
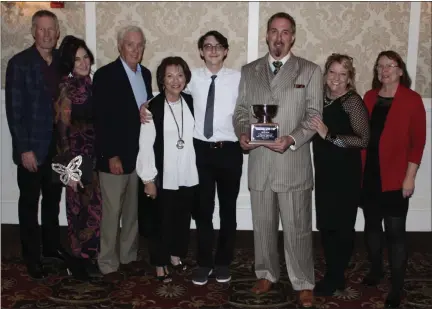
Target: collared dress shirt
column 137, row 83
column 226, row 92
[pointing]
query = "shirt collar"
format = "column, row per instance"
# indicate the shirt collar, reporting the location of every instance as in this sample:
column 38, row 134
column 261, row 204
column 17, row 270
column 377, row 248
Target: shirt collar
column 209, row 74
column 127, row 68
column 39, row 56
column 283, row 60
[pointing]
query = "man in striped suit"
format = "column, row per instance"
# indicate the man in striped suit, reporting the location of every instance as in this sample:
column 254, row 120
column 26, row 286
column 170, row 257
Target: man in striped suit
column 280, row 174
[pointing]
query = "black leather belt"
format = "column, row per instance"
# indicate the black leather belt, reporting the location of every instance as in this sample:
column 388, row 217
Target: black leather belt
column 220, row 144
column 217, row 144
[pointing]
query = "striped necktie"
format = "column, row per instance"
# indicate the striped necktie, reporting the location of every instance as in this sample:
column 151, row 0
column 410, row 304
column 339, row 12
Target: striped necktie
column 277, row 65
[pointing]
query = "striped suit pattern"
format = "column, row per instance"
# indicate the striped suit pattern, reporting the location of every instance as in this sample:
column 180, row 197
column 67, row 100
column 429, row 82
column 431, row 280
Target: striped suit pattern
column 282, row 183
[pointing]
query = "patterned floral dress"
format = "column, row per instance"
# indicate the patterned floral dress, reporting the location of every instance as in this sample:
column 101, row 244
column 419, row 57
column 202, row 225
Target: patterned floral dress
column 74, row 120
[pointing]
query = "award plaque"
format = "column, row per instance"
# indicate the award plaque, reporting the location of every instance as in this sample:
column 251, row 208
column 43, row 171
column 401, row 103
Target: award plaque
column 264, row 131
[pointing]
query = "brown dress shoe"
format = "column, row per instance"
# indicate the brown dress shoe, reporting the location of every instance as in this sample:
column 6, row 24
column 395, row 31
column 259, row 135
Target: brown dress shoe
column 306, row 298
column 131, row 266
column 261, row 286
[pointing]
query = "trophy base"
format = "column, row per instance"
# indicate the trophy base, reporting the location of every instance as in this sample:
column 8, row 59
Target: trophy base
column 263, row 133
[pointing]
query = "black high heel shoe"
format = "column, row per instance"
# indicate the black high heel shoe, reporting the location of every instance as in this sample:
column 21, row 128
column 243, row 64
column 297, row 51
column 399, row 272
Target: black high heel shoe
column 74, row 266
column 179, row 267
column 166, row 277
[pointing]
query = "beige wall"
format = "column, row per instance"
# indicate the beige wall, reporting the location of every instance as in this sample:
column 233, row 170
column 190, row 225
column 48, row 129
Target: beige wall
column 361, row 29
column 16, row 24
column 173, row 28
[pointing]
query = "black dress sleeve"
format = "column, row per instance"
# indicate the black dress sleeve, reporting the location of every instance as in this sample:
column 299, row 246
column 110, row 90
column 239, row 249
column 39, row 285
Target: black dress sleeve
column 354, row 106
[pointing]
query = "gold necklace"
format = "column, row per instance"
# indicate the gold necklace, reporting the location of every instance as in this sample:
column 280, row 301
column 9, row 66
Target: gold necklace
column 328, row 101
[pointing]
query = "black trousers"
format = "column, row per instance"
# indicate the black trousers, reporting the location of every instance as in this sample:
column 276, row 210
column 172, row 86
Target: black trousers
column 338, row 246
column 219, row 166
column 31, row 185
column 171, row 225
column 395, row 233
column 145, row 213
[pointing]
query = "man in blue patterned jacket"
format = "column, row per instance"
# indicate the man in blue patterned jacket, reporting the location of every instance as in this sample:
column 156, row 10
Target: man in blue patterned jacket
column 31, row 90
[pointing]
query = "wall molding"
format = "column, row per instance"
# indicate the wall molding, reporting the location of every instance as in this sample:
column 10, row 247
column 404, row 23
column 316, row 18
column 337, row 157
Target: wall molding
column 413, row 41
column 90, row 29
column 253, row 31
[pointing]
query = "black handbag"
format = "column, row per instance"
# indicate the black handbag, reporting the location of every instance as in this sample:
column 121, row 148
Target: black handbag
column 67, row 166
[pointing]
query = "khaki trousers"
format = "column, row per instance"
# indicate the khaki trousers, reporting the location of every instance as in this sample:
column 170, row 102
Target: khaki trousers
column 119, row 199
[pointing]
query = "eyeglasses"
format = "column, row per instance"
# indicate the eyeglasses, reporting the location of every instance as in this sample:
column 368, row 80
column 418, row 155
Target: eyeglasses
column 386, row 66
column 209, row 47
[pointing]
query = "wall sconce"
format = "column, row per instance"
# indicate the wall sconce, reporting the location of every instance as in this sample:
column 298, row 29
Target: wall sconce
column 57, row 4
column 14, row 12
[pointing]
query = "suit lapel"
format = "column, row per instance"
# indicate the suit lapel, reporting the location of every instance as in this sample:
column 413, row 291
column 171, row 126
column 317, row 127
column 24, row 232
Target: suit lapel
column 286, row 76
column 261, row 70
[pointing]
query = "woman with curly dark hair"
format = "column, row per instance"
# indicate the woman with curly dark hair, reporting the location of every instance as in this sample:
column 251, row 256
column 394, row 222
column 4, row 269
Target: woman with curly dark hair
column 74, row 121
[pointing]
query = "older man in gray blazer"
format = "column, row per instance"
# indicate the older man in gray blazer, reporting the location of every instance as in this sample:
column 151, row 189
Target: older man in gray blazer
column 280, row 174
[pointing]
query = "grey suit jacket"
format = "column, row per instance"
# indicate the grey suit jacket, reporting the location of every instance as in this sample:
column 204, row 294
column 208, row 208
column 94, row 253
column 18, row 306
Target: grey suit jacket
column 298, row 90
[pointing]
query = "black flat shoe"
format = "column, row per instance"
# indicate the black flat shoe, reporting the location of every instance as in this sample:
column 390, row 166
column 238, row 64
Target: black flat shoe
column 327, row 287
column 393, row 300
column 372, row 279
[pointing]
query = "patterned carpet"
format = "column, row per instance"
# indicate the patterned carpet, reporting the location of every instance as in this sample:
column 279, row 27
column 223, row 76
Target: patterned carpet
column 139, row 288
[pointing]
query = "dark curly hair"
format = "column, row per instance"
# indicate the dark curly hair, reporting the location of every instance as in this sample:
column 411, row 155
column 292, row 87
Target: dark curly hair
column 160, row 72
column 405, row 79
column 67, row 50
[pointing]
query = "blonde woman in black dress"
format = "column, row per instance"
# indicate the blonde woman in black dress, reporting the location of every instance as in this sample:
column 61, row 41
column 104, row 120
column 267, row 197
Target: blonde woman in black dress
column 341, row 135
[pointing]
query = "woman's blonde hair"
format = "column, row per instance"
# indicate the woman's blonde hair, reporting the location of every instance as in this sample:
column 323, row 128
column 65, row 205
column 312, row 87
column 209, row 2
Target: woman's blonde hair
column 347, row 63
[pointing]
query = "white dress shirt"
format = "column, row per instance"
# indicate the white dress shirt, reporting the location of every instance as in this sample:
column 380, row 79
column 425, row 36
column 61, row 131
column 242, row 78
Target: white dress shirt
column 179, row 164
column 226, row 92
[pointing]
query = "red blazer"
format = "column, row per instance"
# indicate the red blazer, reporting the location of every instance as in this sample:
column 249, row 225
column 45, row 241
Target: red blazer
column 403, row 138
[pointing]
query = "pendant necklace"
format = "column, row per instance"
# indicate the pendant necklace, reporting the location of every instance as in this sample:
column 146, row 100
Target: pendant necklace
column 180, row 142
column 328, row 101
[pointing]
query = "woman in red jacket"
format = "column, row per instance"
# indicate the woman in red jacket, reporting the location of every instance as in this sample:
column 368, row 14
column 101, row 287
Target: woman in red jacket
column 397, row 139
